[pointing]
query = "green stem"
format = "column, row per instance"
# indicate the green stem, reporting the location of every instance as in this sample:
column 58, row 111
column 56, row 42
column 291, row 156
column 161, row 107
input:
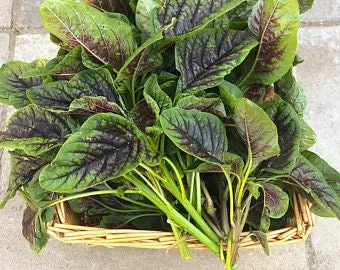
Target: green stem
column 178, row 176
column 193, row 213
column 88, row 194
column 172, row 187
column 222, row 251
column 229, row 250
column 189, row 160
column 212, row 225
column 182, row 244
column 156, row 183
column 124, row 210
column 245, row 178
column 107, row 185
column 231, row 197
column 245, row 214
column 191, row 186
column 210, row 204
column 133, row 97
column 180, row 159
column 224, row 211
column 174, row 215
column 135, row 202
column 198, row 194
column 151, row 186
column 134, row 77
column 162, row 144
column 184, row 250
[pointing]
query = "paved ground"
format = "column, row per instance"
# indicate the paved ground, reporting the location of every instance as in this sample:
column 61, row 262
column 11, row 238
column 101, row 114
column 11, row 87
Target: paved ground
column 22, row 38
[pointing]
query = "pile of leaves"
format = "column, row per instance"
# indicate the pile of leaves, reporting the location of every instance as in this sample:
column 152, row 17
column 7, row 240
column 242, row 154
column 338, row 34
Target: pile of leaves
column 180, row 116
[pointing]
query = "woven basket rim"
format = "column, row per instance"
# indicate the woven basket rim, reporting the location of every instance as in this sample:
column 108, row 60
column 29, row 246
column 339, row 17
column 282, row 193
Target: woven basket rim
column 65, row 230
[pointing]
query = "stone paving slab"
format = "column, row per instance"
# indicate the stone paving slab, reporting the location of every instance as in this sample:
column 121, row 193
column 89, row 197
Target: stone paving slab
column 34, row 46
column 26, row 13
column 323, row 11
column 320, row 76
column 4, row 45
column 5, row 13
column 292, row 257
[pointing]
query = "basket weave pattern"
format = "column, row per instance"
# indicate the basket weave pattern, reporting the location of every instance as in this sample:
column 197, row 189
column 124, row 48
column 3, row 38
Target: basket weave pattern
column 65, row 229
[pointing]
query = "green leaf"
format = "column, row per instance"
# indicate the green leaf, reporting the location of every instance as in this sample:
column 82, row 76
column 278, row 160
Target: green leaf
column 109, row 40
column 289, row 90
column 234, row 161
column 36, row 131
column 119, row 6
column 154, row 131
column 35, row 194
column 155, row 97
column 203, row 104
column 60, row 94
column 256, row 129
column 92, row 105
column 191, row 15
column 143, row 15
column 331, row 175
column 298, row 60
column 13, row 87
column 204, row 167
column 242, row 12
column 34, row 230
column 232, row 89
column 262, row 238
column 119, row 16
column 148, row 60
column 165, row 77
column 62, row 67
column 106, row 146
column 314, row 183
column 143, row 116
column 207, row 57
column 276, row 201
column 253, row 189
column 289, row 131
column 264, row 221
column 23, row 168
column 275, row 24
column 305, row 5
column 197, row 133
column 89, row 61
column 221, row 22
column 308, row 136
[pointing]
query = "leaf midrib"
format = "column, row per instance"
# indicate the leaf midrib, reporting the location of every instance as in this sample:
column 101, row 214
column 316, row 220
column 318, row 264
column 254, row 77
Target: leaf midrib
column 77, row 39
column 185, row 134
column 260, row 47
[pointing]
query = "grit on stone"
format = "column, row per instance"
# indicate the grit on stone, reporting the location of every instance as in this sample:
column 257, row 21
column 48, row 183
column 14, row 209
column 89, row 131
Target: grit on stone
column 5, row 15
column 323, row 11
column 320, row 76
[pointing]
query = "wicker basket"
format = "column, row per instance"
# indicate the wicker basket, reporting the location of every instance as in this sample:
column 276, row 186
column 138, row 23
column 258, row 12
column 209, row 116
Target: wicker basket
column 65, row 229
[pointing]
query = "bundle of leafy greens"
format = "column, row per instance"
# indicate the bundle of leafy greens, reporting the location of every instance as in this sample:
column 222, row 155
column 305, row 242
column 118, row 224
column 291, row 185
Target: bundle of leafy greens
column 180, row 116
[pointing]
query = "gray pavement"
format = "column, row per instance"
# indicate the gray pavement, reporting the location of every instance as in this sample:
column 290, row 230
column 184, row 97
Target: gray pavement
column 23, row 38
